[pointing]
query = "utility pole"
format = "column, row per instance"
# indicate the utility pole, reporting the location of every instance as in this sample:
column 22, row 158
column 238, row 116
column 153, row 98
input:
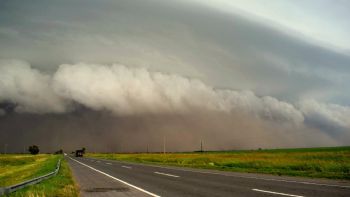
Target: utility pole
column 147, row 148
column 201, row 145
column 5, row 148
column 164, row 145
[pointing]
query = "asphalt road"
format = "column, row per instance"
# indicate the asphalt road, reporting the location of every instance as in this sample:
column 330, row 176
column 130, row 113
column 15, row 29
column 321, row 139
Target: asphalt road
column 150, row 180
column 94, row 184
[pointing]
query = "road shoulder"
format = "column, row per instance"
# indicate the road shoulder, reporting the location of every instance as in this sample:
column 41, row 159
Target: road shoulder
column 92, row 183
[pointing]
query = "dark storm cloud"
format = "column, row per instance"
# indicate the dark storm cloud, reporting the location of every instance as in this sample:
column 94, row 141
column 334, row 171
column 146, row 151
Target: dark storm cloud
column 224, row 50
column 147, row 58
column 102, row 131
column 118, row 100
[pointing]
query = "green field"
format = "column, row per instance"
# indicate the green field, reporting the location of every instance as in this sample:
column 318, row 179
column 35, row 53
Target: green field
column 332, row 163
column 18, row 168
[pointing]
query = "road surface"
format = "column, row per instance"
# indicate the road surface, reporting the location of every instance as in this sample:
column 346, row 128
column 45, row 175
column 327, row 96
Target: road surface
column 151, row 180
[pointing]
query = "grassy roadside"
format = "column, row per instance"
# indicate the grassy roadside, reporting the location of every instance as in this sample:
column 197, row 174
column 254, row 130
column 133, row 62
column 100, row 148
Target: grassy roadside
column 18, row 168
column 332, row 163
column 60, row 185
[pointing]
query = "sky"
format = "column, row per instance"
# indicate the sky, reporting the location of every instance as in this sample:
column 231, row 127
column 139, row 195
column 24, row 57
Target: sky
column 325, row 22
column 253, row 73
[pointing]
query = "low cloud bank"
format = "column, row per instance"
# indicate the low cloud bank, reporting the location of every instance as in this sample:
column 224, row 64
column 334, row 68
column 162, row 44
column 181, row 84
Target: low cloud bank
column 124, row 90
column 30, row 89
column 102, row 131
column 326, row 115
column 137, row 92
column 2, row 112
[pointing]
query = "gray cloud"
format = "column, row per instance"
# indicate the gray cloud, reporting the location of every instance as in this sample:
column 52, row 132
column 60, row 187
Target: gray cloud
column 137, row 92
column 326, row 115
column 124, row 90
column 171, row 58
column 2, row 112
column 223, row 50
column 103, row 131
column 28, row 88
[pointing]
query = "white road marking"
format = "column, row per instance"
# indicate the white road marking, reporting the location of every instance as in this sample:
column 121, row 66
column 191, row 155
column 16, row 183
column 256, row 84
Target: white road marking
column 238, row 176
column 277, row 193
column 110, row 176
column 128, row 167
column 109, row 163
column 167, row 174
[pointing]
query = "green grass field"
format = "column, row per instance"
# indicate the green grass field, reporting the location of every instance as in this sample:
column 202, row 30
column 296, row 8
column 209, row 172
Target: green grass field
column 332, row 163
column 18, row 168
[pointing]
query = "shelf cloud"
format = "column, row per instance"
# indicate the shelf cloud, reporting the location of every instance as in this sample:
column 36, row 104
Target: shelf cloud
column 126, row 91
column 150, row 97
column 238, row 75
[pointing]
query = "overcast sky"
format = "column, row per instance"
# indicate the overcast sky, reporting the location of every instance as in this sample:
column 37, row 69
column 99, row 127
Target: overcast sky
column 323, row 21
column 280, row 59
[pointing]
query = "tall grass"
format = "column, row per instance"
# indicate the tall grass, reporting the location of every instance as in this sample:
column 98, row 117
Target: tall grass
column 331, row 163
column 18, row 168
column 61, row 185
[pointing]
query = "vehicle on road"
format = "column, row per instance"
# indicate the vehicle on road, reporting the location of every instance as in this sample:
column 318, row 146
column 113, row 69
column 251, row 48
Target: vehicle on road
column 79, row 153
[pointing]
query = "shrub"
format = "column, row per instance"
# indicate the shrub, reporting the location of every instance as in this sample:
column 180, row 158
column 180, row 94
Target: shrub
column 33, row 149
